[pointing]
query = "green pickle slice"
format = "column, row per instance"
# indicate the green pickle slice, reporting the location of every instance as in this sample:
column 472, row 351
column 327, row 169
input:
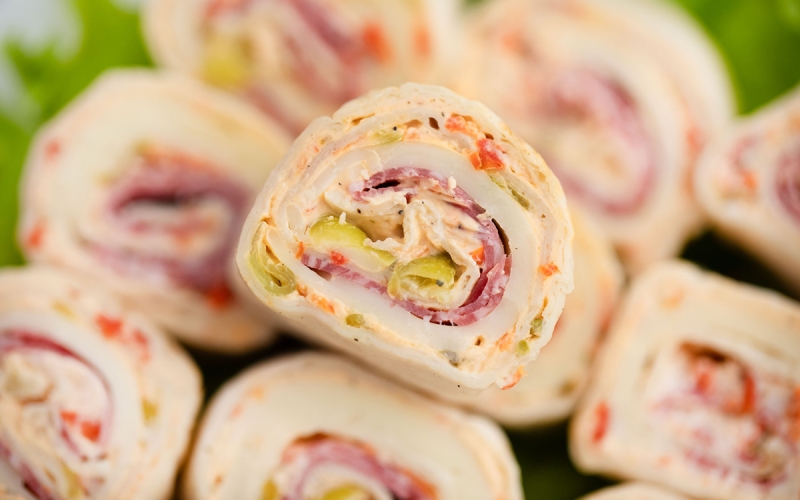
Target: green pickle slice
column 348, row 492
column 276, row 278
column 328, row 234
column 431, row 277
column 226, row 63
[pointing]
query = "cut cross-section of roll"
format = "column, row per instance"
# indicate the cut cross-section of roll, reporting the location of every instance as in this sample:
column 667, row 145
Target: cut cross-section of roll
column 558, row 376
column 315, row 427
column 612, row 123
column 697, row 389
column 415, row 231
column 300, row 59
column 634, row 491
column 669, row 35
column 95, row 402
column 749, row 184
column 144, row 182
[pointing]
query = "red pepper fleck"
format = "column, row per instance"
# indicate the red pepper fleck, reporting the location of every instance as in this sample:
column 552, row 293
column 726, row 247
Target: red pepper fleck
column 794, row 415
column 68, row 417
column 219, row 296
column 703, row 382
column 376, row 43
column 144, row 345
column 749, row 397
column 52, row 149
column 218, row 7
column 110, row 327
column 338, row 259
column 488, row 157
column 301, row 248
column 478, row 255
column 515, row 380
column 601, row 414
column 91, row 430
column 422, row 41
column 36, row 236
column 549, row 269
column 455, row 123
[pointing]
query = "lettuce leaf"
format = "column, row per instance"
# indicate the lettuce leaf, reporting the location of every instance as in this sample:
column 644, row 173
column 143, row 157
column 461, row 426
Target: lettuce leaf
column 110, row 37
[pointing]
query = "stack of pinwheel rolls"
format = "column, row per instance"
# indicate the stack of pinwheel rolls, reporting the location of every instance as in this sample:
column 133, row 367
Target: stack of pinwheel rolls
column 749, row 184
column 144, row 182
column 697, row 389
column 421, row 234
column 556, row 379
column 416, row 232
column 95, row 402
column 314, row 426
column 608, row 93
column 297, row 60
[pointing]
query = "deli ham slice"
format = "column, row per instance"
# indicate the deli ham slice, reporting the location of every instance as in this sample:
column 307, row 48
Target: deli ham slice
column 317, row 426
column 415, row 231
column 144, row 183
column 95, row 402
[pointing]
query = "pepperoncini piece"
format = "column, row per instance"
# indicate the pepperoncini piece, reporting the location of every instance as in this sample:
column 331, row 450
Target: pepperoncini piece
column 269, row 491
column 430, row 276
column 226, row 63
column 355, row 320
column 349, row 492
column 328, row 234
column 149, row 411
column 388, row 136
column 275, row 277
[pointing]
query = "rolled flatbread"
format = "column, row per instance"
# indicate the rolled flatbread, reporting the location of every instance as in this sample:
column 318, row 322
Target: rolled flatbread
column 144, row 183
column 313, row 426
column 297, row 60
column 634, row 491
column 600, row 91
column 95, row 402
column 749, row 185
column 697, row 389
column 415, row 231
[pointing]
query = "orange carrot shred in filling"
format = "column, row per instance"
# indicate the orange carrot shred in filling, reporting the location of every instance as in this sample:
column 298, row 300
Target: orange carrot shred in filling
column 110, row 327
column 549, row 269
column 601, row 414
column 375, row 41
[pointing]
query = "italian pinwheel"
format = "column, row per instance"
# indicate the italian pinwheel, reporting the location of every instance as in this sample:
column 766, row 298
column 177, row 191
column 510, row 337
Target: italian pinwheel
column 95, row 402
column 315, row 427
column 634, row 491
column 144, row 183
column 697, row 389
column 749, row 184
column 557, row 377
column 415, row 231
column 610, row 119
column 300, row 59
